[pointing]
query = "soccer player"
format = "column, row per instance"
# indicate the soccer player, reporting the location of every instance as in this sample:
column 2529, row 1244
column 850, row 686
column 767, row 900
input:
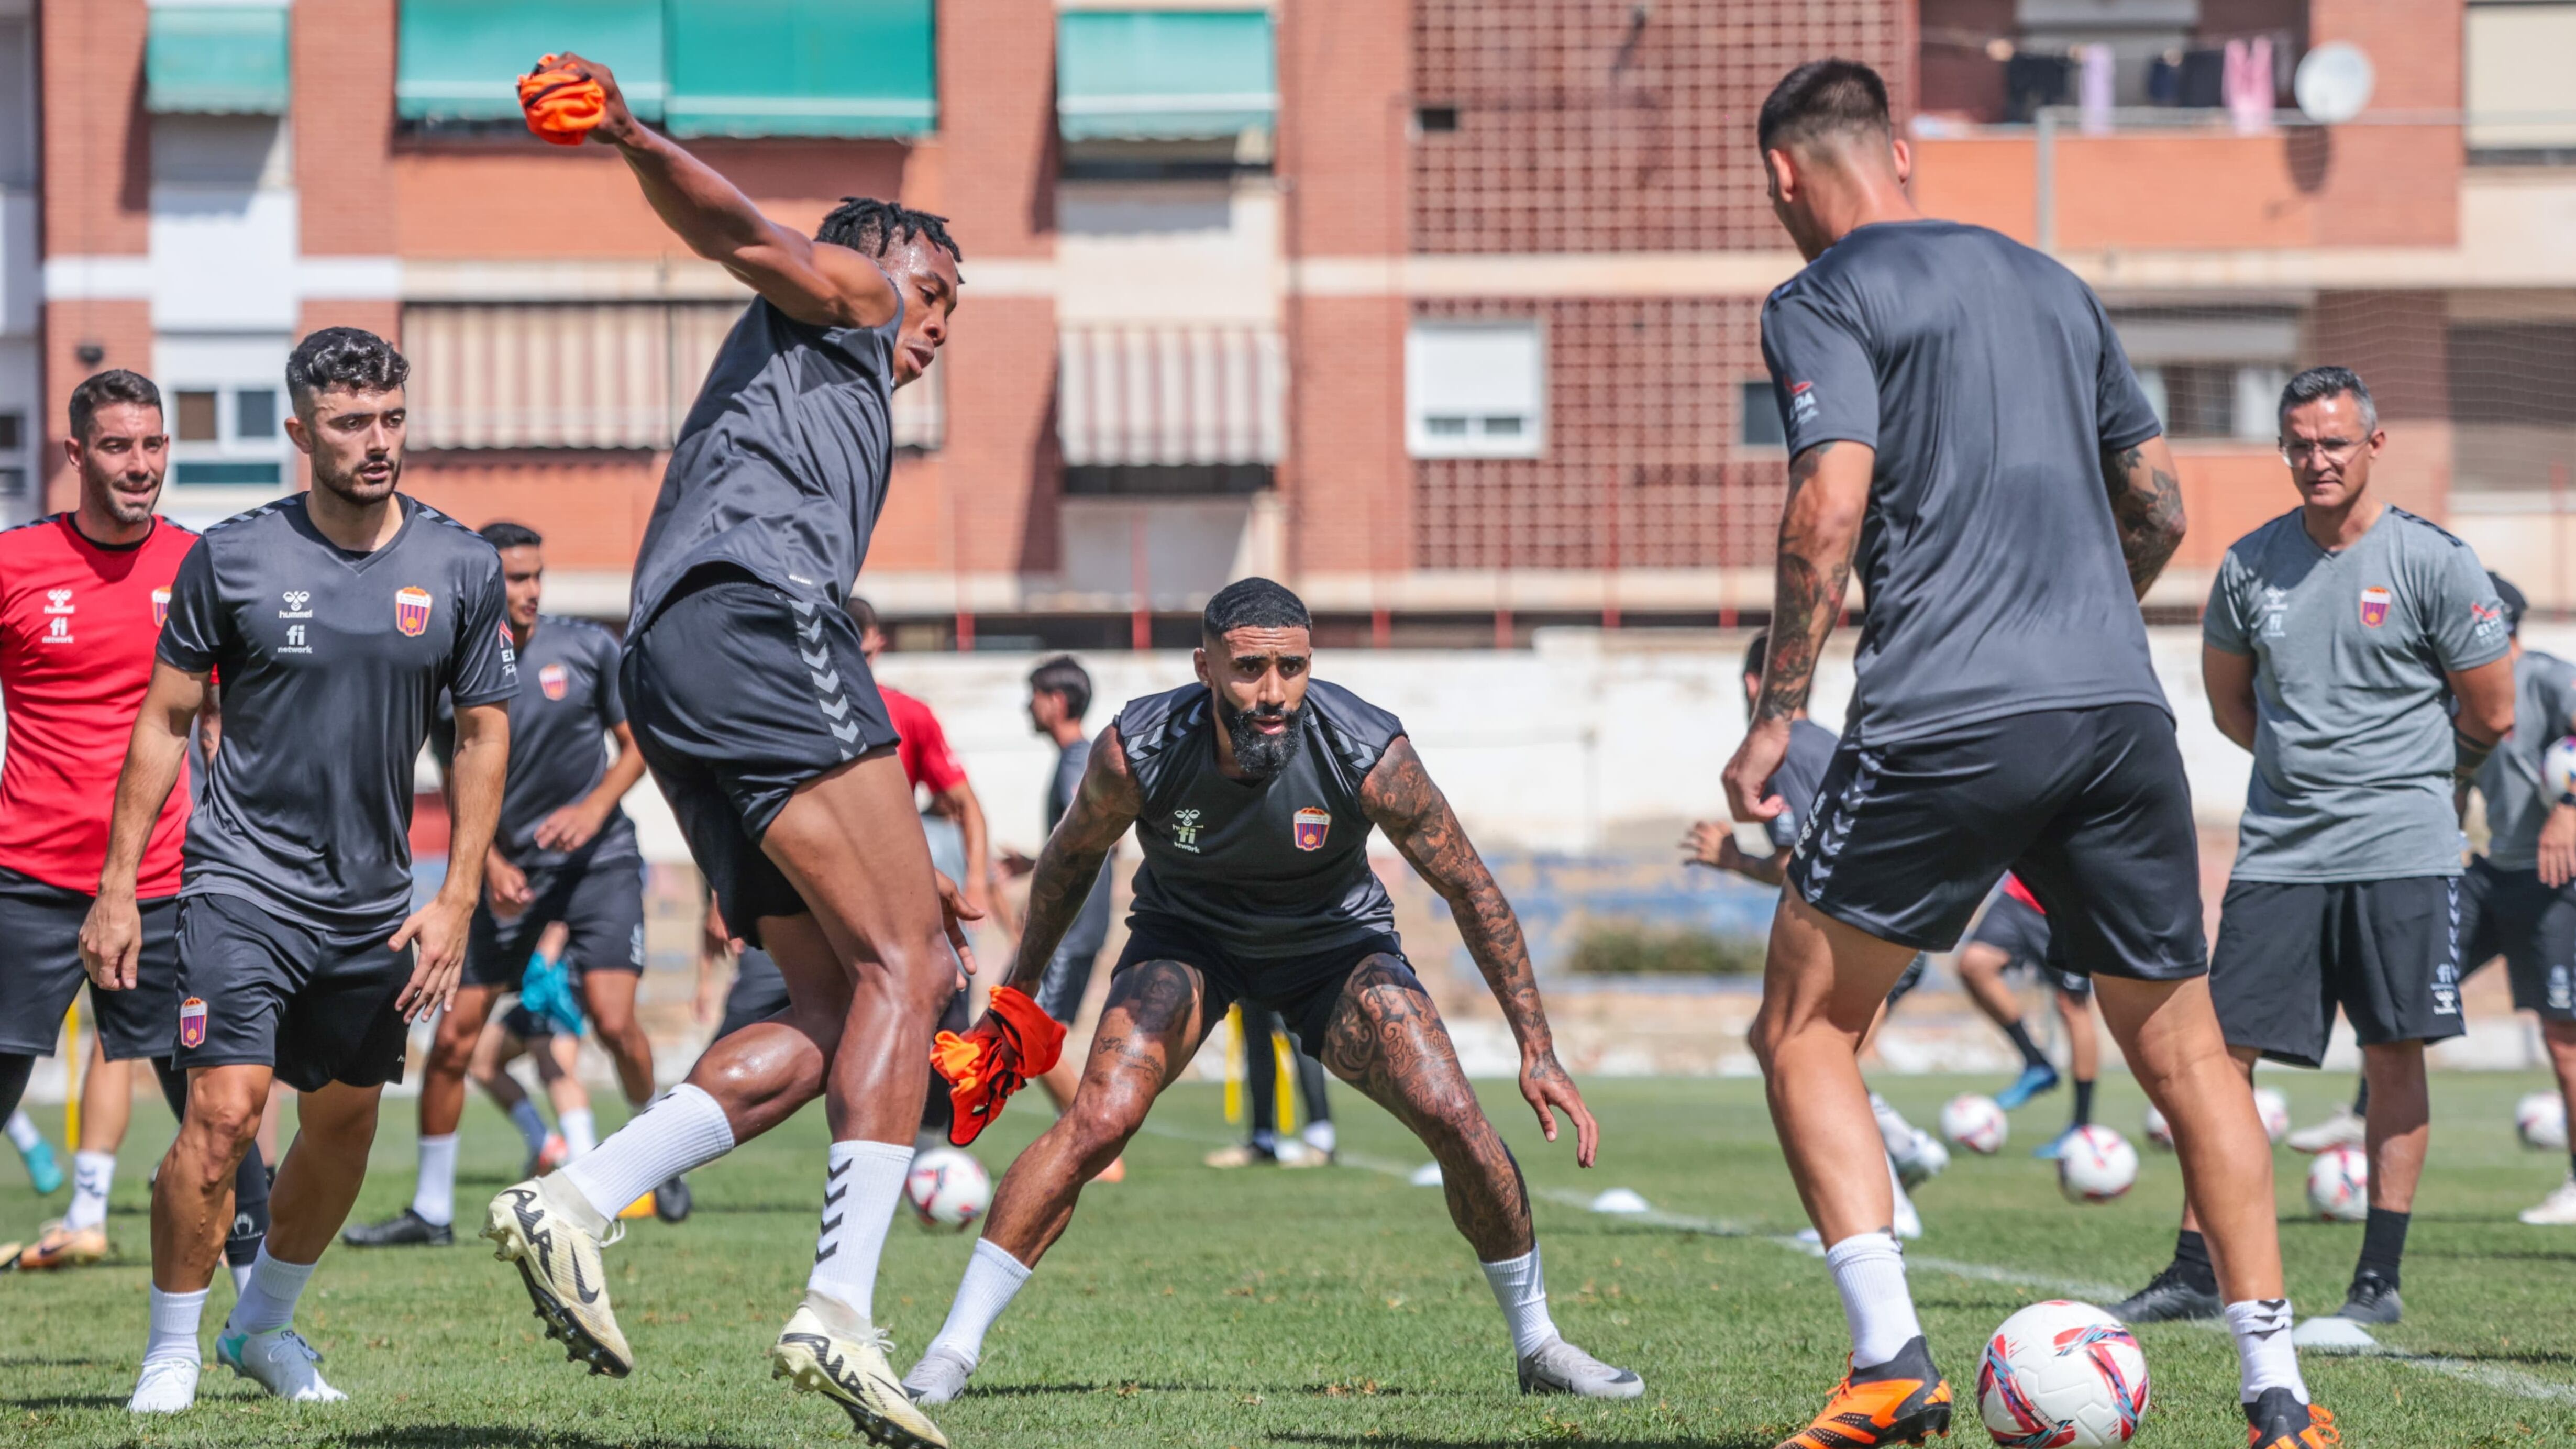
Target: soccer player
column 953, row 822
column 546, row 1026
column 2519, row 899
column 753, row 705
column 335, row 618
column 1256, row 1037
column 35, row 1154
column 2013, row 934
column 1253, row 792
column 1958, row 406
column 2362, row 657
column 565, row 854
column 81, row 598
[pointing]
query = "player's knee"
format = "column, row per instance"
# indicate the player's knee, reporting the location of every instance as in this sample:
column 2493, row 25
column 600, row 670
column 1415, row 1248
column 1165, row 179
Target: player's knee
column 225, row 1121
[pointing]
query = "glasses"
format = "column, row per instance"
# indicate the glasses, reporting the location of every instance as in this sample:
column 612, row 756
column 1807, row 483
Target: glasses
column 2325, row 449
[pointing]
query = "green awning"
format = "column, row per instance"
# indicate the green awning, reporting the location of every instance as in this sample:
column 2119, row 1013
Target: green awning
column 802, row 68
column 461, row 59
column 1163, row 75
column 227, row 60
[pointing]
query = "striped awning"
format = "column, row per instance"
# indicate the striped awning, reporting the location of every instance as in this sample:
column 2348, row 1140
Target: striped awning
column 583, row 374
column 1171, row 395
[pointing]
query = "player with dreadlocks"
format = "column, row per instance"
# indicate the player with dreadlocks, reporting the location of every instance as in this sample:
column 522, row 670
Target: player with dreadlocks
column 751, row 701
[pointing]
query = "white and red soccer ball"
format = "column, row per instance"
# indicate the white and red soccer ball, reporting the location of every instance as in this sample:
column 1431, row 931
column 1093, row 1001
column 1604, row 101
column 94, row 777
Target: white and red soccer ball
column 2274, row 1109
column 2339, row 1184
column 2540, row 1120
column 948, row 1189
column 1973, row 1121
column 2062, row 1375
column 2095, row 1164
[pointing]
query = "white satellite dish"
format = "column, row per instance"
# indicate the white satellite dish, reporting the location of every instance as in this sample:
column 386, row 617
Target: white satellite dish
column 2333, row 82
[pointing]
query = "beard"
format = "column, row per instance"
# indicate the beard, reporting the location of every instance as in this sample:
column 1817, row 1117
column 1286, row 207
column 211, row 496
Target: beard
column 1255, row 753
column 353, row 487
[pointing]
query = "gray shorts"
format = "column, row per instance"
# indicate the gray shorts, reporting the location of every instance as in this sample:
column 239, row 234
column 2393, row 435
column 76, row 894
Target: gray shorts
column 2289, row 955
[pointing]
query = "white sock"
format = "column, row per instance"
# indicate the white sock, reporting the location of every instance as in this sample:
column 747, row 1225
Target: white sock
column 532, row 1127
column 1321, row 1137
column 241, row 1278
column 993, row 1277
column 1893, row 1129
column 860, row 1191
column 581, row 1133
column 1521, row 1288
column 2264, row 1356
column 435, row 1198
column 174, row 1326
column 1869, row 1271
column 93, row 1173
column 684, row 1130
column 267, row 1301
column 23, row 1134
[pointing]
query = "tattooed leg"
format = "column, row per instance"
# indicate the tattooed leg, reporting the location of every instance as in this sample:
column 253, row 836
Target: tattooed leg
column 1149, row 1030
column 1386, row 1039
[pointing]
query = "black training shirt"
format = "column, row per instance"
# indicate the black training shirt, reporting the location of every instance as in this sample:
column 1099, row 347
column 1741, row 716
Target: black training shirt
column 559, row 723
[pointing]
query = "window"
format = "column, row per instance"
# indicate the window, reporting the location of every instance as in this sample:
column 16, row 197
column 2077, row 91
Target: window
column 251, row 452
column 1757, row 407
column 1474, row 389
column 2517, row 64
column 13, row 457
column 2216, row 399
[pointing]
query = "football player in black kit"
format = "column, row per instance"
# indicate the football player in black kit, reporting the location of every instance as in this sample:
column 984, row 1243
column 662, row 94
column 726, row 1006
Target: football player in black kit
column 1253, row 792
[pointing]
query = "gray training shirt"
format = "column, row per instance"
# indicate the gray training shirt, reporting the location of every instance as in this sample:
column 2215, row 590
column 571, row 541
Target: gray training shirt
column 1989, row 381
column 1090, row 929
column 566, row 705
column 2518, row 804
column 331, row 665
column 1802, row 770
column 781, row 465
column 1267, row 869
column 2352, row 736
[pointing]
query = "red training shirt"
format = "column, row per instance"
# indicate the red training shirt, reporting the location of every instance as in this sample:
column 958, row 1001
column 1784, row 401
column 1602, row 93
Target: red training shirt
column 78, row 624
column 927, row 760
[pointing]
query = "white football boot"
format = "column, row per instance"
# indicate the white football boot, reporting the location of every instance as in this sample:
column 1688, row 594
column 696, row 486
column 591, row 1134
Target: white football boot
column 279, row 1361
column 827, row 1348
column 544, row 1226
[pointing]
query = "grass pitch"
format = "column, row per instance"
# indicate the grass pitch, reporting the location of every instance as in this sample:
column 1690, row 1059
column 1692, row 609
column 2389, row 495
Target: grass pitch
column 1334, row 1308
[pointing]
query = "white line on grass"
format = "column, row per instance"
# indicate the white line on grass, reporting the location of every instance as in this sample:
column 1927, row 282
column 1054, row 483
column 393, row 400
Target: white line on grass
column 2503, row 1380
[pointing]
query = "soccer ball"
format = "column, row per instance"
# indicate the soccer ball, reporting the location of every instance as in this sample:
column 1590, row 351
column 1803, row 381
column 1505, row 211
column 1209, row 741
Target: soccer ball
column 1974, row 1122
column 948, row 1189
column 2095, row 1164
column 2159, row 1131
column 2274, row 1109
column 2541, row 1121
column 2062, row 1375
column 2339, row 1184
column 2558, row 767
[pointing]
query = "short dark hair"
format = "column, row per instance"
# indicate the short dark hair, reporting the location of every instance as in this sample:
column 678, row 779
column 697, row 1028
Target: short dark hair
column 501, row 533
column 1064, row 675
column 1819, row 98
column 2514, row 602
column 106, row 389
column 862, row 613
column 2325, row 382
column 1757, row 653
column 865, row 224
column 1254, row 603
column 350, row 357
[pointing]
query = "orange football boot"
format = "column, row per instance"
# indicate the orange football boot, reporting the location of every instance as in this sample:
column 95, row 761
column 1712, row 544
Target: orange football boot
column 1902, row 1401
column 2277, row 1420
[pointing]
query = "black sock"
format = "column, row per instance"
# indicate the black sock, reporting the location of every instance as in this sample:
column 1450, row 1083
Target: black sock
column 2083, row 1104
column 14, row 1072
column 2361, row 1099
column 2031, row 1055
column 2383, row 1243
column 2191, row 1255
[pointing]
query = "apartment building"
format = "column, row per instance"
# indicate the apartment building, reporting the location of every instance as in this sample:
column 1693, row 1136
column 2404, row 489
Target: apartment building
column 1447, row 312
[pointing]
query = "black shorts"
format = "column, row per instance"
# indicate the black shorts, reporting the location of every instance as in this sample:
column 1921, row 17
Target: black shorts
column 1067, row 980
column 2383, row 950
column 317, row 1006
column 2023, row 936
column 2088, row 806
column 1302, row 989
column 526, row 1025
column 40, row 925
column 2533, row 926
column 759, row 993
column 740, row 692
column 600, row 903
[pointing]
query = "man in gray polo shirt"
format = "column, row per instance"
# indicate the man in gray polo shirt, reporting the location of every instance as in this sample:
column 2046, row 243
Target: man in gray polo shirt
column 2361, row 654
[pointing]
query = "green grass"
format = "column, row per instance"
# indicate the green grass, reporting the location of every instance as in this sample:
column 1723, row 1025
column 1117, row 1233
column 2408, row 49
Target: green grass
column 1333, row 1308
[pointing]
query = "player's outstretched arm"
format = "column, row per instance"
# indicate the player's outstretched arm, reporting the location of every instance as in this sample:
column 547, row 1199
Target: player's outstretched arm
column 2146, row 502
column 439, row 928
column 1401, row 801
column 1819, row 527
column 811, row 281
column 111, row 938
column 1107, row 804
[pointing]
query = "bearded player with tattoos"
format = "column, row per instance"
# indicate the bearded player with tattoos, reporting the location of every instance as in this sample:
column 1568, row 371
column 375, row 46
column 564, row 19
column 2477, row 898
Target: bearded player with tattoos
column 1961, row 417
column 1253, row 792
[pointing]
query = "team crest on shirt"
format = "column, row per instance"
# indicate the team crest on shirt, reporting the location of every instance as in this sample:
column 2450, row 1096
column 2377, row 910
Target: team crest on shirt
column 192, row 1022
column 2374, row 606
column 554, row 679
column 1310, row 827
column 160, row 607
column 411, row 611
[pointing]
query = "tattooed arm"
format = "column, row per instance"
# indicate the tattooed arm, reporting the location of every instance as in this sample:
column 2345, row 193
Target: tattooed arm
column 1401, row 800
column 1106, row 805
column 2146, row 502
column 1819, row 526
